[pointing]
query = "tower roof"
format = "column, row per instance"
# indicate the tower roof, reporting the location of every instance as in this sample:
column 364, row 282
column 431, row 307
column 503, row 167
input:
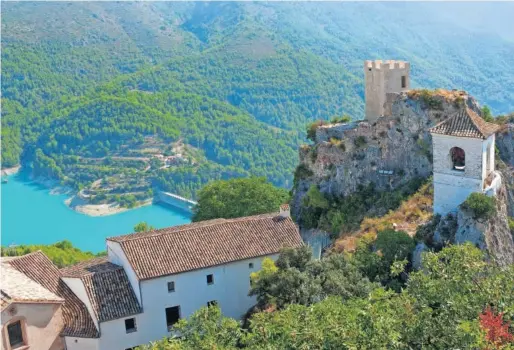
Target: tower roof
column 465, row 123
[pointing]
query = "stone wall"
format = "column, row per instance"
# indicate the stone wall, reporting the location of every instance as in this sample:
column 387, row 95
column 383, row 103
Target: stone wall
column 382, row 77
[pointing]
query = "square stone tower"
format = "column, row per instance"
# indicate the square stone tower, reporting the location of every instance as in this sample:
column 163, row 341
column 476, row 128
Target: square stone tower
column 382, row 77
column 463, row 158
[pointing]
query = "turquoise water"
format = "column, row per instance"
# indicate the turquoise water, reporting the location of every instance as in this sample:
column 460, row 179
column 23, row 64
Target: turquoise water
column 31, row 215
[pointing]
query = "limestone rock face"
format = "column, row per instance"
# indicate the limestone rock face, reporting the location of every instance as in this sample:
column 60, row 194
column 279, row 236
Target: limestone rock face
column 505, row 145
column 389, row 152
column 491, row 235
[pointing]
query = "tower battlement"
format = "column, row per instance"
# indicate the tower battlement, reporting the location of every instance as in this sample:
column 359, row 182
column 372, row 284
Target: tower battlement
column 381, row 78
column 387, row 64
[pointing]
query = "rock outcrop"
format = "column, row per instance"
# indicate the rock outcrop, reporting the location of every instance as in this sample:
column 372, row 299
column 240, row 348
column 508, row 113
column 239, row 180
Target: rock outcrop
column 505, row 145
column 388, row 153
column 492, row 235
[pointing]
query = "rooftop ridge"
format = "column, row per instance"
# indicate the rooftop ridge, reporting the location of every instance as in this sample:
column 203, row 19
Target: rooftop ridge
column 186, row 227
column 81, row 268
column 465, row 123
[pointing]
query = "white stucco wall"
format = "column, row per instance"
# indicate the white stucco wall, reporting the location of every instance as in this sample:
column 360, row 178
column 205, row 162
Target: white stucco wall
column 230, row 289
column 114, row 335
column 488, row 146
column 451, row 191
column 73, row 343
column 116, row 256
column 452, row 187
column 79, row 290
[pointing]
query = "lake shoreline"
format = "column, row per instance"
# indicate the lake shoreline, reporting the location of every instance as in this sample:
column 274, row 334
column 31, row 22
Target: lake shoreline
column 84, row 207
column 81, row 205
column 31, row 215
column 11, row 171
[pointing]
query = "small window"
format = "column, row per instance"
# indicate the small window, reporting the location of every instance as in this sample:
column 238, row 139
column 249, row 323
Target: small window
column 250, row 265
column 15, row 335
column 404, row 81
column 172, row 315
column 130, row 325
column 171, row 286
column 210, row 279
column 212, row 303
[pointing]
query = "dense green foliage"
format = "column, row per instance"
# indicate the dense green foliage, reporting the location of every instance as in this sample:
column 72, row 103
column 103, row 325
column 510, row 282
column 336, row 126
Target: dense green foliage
column 297, row 279
column 143, row 227
column 236, row 82
column 340, row 215
column 376, row 257
column 481, row 205
column 238, row 197
column 61, row 253
column 440, row 308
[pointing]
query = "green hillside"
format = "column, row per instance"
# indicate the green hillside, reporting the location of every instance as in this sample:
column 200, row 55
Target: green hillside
column 232, row 85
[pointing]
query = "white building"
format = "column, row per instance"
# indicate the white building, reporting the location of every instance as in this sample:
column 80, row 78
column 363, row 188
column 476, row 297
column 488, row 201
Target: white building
column 463, row 159
column 150, row 280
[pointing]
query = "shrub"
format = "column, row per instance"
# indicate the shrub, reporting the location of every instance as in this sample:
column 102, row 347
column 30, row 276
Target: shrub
column 428, row 97
column 311, row 129
column 360, row 141
column 511, row 225
column 481, row 205
column 487, row 115
column 302, row 172
column 344, row 119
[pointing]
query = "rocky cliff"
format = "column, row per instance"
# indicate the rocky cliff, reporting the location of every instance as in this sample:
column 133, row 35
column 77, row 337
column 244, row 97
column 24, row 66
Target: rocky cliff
column 505, row 145
column 491, row 235
column 388, row 153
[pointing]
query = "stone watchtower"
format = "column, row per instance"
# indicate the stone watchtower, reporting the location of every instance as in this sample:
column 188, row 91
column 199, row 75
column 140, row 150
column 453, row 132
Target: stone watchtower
column 463, row 161
column 382, row 77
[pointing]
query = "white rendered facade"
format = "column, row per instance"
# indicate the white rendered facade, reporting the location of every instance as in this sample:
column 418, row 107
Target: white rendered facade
column 452, row 187
column 229, row 289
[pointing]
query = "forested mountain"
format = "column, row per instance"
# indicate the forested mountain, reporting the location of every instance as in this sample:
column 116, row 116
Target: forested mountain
column 235, row 82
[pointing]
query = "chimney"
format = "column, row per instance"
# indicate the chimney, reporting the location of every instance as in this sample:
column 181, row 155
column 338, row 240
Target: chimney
column 285, row 211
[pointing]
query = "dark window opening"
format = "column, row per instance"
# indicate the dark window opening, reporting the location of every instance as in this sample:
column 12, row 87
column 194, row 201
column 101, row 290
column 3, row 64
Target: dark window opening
column 210, row 279
column 404, row 81
column 172, row 315
column 171, row 286
column 250, row 265
column 15, row 334
column 212, row 303
column 458, row 159
column 369, row 69
column 130, row 325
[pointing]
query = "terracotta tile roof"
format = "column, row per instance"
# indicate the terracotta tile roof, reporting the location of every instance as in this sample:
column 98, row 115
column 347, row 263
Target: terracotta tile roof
column 88, row 266
column 17, row 287
column 465, row 123
column 77, row 321
column 208, row 243
column 107, row 287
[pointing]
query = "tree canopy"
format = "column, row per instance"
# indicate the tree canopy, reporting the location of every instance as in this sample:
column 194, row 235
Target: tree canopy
column 458, row 301
column 237, row 198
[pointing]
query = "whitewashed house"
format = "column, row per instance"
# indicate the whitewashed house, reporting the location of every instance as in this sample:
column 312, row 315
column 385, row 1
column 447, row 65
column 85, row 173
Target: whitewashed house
column 463, row 159
column 150, row 280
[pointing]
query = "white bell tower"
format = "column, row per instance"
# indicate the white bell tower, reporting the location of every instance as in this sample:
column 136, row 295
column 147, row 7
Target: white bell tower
column 463, row 158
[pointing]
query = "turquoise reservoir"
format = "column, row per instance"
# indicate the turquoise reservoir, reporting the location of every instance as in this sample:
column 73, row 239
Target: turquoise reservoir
column 31, row 215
